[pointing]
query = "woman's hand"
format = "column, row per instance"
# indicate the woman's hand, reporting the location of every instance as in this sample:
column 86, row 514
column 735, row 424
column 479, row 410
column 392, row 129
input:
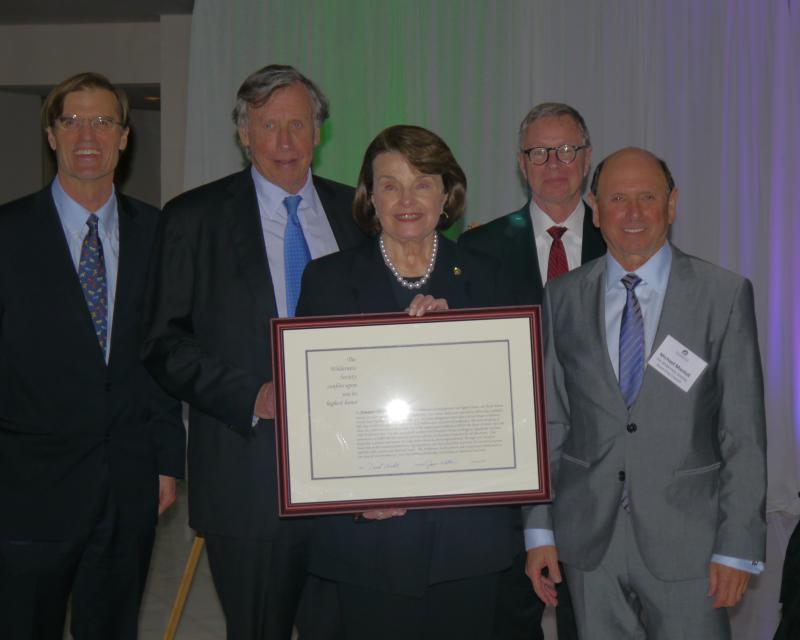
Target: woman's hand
column 383, row 514
column 421, row 305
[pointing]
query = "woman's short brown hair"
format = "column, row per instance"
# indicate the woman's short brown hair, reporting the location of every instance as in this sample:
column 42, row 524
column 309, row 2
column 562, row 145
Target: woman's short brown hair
column 428, row 154
column 54, row 104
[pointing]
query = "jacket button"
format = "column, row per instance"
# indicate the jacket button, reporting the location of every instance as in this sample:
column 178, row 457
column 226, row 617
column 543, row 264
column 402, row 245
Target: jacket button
column 632, row 427
column 622, row 476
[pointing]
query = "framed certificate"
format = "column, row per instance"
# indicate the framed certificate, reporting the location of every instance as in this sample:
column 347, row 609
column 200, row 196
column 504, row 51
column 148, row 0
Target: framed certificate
column 386, row 410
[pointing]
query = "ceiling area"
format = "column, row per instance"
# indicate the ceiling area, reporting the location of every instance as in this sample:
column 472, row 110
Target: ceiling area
column 88, row 11
column 93, row 11
column 140, row 96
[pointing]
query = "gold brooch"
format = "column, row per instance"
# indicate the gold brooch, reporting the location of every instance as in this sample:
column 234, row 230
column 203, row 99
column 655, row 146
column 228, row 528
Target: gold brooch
column 456, row 271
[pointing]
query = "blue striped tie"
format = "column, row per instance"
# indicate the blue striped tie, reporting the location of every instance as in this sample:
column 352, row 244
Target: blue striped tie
column 631, row 354
column 631, row 343
column 295, row 253
column 92, row 276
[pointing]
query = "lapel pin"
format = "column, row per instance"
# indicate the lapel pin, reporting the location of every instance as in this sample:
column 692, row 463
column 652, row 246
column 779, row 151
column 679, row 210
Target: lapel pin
column 456, row 271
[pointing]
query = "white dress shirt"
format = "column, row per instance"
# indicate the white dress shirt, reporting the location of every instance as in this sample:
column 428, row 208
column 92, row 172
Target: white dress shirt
column 572, row 238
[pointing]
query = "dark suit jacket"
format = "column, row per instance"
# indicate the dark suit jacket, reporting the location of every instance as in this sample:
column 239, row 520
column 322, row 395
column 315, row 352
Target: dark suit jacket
column 510, row 240
column 209, row 303
column 70, row 425
column 790, row 590
column 405, row 554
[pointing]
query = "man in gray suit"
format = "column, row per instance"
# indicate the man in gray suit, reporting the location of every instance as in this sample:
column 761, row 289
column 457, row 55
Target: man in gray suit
column 656, row 425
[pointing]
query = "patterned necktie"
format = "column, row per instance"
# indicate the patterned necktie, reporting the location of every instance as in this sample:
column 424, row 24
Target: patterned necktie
column 557, row 263
column 92, row 276
column 631, row 342
column 295, row 253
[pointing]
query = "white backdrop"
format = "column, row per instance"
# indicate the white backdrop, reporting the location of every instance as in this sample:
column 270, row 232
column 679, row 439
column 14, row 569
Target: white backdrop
column 712, row 86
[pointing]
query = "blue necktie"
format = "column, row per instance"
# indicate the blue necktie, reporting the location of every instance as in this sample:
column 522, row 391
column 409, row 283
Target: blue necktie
column 631, row 354
column 631, row 343
column 295, row 253
column 92, row 276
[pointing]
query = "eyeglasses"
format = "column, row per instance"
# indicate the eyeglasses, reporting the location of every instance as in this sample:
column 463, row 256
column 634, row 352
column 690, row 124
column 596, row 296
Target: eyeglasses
column 101, row 124
column 566, row 153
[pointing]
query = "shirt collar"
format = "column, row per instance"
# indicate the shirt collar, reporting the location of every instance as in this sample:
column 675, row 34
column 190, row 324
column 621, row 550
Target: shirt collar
column 73, row 215
column 654, row 273
column 542, row 222
column 271, row 195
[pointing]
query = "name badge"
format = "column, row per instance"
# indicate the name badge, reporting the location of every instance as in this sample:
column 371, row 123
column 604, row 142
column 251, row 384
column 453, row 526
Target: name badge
column 677, row 363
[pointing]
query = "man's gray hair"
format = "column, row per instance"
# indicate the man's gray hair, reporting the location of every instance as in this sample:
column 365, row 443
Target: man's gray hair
column 550, row 110
column 260, row 85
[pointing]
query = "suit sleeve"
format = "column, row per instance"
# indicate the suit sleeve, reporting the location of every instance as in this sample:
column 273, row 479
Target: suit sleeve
column 172, row 351
column 741, row 530
column 557, row 411
column 168, row 432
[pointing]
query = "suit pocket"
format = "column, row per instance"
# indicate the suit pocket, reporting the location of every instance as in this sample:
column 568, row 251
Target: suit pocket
column 680, row 473
column 574, row 460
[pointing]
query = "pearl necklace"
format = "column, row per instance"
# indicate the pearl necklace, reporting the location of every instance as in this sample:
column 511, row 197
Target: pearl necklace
column 416, row 284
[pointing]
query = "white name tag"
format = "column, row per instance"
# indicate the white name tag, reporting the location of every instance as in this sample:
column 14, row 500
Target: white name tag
column 677, row 364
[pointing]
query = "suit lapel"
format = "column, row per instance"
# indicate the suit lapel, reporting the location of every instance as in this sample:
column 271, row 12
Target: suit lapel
column 594, row 289
column 678, row 298
column 336, row 210
column 593, row 246
column 524, row 262
column 244, row 222
column 448, row 278
column 130, row 271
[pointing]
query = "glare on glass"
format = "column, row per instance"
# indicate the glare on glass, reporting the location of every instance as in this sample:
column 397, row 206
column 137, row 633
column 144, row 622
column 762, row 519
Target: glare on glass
column 75, row 123
column 566, row 153
column 397, row 411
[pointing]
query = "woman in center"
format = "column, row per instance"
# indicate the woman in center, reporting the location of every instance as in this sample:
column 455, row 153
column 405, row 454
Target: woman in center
column 425, row 573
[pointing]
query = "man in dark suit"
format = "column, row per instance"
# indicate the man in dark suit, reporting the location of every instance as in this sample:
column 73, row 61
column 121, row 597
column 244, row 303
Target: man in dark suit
column 790, row 590
column 553, row 231
column 655, row 422
column 551, row 234
column 229, row 258
column 90, row 446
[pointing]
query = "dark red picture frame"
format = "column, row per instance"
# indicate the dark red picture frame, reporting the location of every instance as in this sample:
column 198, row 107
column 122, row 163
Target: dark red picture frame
column 279, row 329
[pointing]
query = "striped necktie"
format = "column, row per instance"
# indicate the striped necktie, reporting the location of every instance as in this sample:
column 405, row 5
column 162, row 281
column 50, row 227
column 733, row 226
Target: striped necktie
column 631, row 342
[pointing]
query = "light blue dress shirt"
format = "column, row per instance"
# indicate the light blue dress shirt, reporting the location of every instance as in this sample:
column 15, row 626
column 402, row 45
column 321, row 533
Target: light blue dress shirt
column 650, row 292
column 73, row 218
column 314, row 222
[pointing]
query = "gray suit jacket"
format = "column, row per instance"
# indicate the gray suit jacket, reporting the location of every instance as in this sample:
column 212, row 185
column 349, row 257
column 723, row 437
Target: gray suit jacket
column 694, row 462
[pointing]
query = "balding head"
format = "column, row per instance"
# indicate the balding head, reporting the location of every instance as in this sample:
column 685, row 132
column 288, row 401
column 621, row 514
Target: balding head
column 633, row 199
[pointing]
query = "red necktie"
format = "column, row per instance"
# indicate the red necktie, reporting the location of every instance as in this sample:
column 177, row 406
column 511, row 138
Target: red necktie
column 557, row 263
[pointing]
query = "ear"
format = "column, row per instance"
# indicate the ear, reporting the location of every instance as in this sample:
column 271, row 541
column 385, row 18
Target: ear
column 595, row 209
column 522, row 163
column 123, row 141
column 587, row 161
column 244, row 137
column 51, row 138
column 316, row 136
column 672, row 205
